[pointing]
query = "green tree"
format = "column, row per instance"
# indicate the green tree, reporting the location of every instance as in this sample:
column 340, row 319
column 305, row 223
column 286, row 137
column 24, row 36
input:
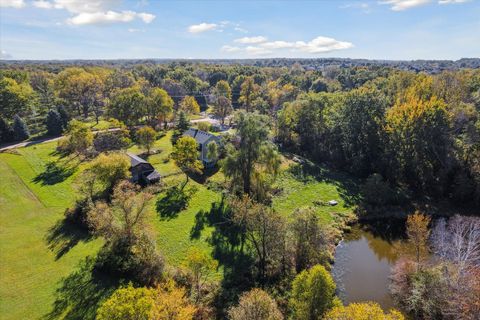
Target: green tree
column 255, row 157
column 128, row 105
column 313, row 294
column 107, row 170
column 79, row 138
column 127, row 303
column 6, row 131
column 310, row 239
column 146, row 137
column 222, row 108
column 248, row 92
column 212, row 151
column 159, row 106
column 20, row 129
column 189, row 105
column 419, row 142
column 201, row 266
column 185, row 154
column 183, row 122
column 54, row 123
column 362, row 311
column 15, row 98
column 222, row 89
column 255, row 305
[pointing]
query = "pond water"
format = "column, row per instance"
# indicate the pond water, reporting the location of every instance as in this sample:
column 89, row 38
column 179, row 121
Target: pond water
column 363, row 261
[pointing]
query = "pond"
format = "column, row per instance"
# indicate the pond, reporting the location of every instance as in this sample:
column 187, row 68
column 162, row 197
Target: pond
column 363, row 261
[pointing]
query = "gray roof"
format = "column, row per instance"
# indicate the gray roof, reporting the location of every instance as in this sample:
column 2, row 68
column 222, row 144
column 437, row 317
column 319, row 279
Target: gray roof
column 135, row 160
column 200, row 136
column 153, row 176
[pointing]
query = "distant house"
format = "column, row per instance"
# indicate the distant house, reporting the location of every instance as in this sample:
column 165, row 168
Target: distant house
column 203, row 139
column 142, row 171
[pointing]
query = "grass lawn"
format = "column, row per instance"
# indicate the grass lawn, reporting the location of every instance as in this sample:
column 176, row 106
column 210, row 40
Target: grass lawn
column 30, row 267
column 37, row 257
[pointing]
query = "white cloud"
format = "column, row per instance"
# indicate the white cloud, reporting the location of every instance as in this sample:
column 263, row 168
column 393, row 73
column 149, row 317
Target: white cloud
column 94, row 11
column 4, row 55
column 17, row 4
column 133, row 30
column 257, row 51
column 278, row 44
column 317, row 45
column 228, row 48
column 202, row 27
column 251, row 40
column 42, row 4
column 452, row 1
column 400, row 5
column 363, row 6
column 109, row 17
column 240, row 29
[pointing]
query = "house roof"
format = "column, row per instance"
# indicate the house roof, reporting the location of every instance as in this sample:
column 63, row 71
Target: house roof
column 154, row 175
column 135, row 160
column 200, row 136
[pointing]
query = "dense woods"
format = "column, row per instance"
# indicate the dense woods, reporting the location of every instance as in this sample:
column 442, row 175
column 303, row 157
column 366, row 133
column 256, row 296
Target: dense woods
column 407, row 139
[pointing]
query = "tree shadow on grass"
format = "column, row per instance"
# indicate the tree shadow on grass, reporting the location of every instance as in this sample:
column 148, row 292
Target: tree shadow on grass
column 347, row 187
column 54, row 173
column 174, row 200
column 227, row 249
column 81, row 293
column 65, row 235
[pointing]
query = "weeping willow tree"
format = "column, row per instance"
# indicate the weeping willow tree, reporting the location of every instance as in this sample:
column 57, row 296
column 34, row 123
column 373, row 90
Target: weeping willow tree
column 255, row 162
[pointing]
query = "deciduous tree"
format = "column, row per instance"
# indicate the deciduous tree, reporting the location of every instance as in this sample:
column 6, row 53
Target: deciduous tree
column 146, row 137
column 255, row 305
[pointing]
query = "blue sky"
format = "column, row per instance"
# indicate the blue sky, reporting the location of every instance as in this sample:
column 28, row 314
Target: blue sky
column 113, row 29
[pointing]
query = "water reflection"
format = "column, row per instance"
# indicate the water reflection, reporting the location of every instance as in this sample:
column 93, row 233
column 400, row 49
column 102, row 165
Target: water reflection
column 363, row 261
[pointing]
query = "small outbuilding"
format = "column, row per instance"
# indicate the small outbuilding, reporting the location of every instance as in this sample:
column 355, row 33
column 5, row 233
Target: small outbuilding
column 142, row 171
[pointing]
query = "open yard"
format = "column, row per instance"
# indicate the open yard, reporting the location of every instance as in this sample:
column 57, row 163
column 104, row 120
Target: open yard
column 40, row 255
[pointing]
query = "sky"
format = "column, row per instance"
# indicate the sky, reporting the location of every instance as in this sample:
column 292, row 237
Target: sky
column 141, row 29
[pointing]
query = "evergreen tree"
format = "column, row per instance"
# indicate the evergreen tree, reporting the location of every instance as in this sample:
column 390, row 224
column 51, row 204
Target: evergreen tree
column 64, row 116
column 6, row 131
column 183, row 122
column 20, row 129
column 54, row 123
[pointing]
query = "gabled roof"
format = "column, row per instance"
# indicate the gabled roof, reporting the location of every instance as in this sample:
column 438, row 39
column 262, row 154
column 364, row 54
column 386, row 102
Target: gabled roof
column 200, row 136
column 135, row 160
column 154, row 175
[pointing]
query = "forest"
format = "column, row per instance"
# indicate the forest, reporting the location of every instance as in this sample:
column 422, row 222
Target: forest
column 245, row 228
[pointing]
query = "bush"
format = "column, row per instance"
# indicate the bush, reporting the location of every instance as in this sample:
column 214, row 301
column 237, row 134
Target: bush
column 20, row 129
column 54, row 123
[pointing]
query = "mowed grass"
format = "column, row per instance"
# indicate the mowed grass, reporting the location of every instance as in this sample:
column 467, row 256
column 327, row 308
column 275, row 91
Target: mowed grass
column 32, row 203
column 29, row 270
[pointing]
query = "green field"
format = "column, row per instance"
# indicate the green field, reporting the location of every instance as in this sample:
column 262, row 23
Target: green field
column 38, row 255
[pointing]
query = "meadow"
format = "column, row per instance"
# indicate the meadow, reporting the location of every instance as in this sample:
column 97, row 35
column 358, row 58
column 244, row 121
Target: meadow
column 42, row 274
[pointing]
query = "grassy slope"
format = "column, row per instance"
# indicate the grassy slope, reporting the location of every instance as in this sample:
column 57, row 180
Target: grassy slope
column 30, row 271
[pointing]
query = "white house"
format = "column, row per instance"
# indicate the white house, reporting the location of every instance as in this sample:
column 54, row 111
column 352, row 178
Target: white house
column 203, row 139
